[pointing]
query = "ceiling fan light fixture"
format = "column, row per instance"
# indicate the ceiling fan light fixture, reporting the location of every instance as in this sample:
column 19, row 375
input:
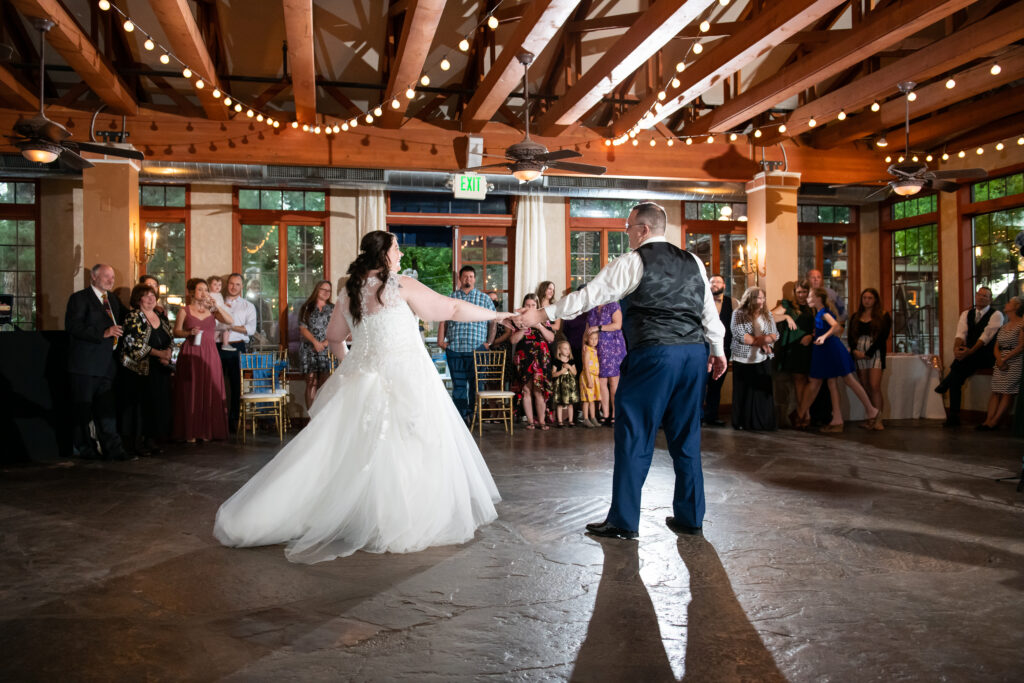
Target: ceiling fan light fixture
column 40, row 152
column 525, row 175
column 907, row 187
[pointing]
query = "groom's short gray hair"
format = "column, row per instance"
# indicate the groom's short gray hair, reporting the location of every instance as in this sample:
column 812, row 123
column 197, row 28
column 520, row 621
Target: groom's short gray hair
column 652, row 215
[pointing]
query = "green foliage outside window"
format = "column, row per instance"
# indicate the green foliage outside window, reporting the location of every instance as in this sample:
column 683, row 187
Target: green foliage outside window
column 997, row 188
column 18, row 268
column 997, row 262
column 917, row 206
column 600, row 208
column 17, row 193
column 282, row 200
column 433, row 266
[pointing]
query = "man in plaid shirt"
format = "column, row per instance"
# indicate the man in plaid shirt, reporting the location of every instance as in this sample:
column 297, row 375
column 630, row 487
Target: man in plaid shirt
column 459, row 341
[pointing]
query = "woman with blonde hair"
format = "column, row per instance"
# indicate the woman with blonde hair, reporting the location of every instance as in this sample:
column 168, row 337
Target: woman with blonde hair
column 753, row 333
column 546, row 297
column 1006, row 374
column 830, row 361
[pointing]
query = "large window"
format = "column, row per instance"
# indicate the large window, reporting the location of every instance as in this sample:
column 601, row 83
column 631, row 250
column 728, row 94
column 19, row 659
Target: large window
column 996, row 259
column 164, row 209
column 917, row 206
column 596, row 236
column 827, row 241
column 914, row 294
column 282, row 255
column 19, row 218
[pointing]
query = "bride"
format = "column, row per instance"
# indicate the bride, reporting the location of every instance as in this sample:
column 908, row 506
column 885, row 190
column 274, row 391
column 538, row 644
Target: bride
column 386, row 463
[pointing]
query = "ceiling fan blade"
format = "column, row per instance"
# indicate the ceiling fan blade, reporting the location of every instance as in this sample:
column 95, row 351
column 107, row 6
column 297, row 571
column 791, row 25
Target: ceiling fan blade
column 557, row 155
column 944, row 185
column 104, row 149
column 578, row 168
column 478, row 168
column 863, row 182
column 886, row 190
column 73, row 161
column 962, row 173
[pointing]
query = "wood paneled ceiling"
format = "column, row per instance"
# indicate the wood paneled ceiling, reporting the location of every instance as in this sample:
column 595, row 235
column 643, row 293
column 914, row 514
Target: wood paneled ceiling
column 659, row 69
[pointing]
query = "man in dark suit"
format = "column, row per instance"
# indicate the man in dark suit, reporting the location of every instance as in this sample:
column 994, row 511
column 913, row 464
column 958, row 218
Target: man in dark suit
column 93, row 322
column 713, row 395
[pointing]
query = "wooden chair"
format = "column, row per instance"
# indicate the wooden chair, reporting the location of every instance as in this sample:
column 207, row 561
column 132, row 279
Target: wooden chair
column 282, row 364
column 489, row 368
column 262, row 395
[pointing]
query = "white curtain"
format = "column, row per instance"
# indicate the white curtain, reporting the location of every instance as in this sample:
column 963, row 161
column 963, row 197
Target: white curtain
column 371, row 213
column 531, row 252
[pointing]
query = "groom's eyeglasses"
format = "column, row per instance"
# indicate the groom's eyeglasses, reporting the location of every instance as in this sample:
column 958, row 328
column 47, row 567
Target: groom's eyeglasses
column 633, row 225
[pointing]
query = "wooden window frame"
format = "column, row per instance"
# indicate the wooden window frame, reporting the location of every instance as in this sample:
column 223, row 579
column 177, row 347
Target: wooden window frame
column 25, row 212
column 170, row 214
column 604, row 226
column 886, row 227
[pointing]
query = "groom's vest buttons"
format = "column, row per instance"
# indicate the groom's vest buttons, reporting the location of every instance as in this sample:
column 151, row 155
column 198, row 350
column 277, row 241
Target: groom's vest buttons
column 666, row 307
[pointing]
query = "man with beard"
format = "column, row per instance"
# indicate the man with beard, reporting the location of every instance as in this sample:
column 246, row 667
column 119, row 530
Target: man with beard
column 713, row 394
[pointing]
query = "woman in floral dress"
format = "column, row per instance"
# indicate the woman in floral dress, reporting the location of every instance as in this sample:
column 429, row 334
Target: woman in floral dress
column 611, row 349
column 533, row 363
column 313, row 318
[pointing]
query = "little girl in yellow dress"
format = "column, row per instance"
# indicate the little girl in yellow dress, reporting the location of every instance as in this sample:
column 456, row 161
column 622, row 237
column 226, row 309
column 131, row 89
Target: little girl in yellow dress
column 590, row 389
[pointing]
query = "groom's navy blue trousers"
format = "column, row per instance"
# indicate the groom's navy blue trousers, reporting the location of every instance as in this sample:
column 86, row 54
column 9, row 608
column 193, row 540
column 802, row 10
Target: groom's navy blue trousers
column 659, row 386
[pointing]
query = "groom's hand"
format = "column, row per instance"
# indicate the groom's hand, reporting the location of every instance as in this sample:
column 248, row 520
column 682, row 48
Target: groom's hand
column 528, row 317
column 717, row 366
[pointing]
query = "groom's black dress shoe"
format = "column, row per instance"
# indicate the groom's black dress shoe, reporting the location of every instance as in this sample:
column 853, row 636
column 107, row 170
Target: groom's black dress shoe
column 606, row 530
column 683, row 529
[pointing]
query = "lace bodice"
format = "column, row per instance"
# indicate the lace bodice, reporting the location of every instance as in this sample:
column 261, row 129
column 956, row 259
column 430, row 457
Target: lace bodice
column 387, row 330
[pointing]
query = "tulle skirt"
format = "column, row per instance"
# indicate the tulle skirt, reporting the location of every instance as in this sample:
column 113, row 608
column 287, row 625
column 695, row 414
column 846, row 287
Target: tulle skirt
column 386, row 464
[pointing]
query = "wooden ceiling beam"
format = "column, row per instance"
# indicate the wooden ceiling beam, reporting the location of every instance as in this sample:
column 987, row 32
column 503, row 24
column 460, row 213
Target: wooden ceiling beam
column 298, row 26
column 976, row 41
column 541, row 23
column 966, row 116
column 183, row 34
column 648, row 34
column 13, row 91
column 1009, row 127
column 421, row 20
column 932, row 97
column 74, row 46
column 755, row 38
column 879, row 30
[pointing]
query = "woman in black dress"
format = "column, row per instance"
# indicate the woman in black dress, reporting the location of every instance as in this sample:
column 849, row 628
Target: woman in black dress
column 795, row 321
column 145, row 374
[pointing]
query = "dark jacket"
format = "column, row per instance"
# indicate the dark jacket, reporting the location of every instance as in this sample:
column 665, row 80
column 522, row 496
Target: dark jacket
column 879, row 339
column 89, row 352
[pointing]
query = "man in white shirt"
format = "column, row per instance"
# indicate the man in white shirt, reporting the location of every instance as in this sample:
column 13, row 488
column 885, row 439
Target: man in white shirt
column 670, row 321
column 975, row 333
column 243, row 316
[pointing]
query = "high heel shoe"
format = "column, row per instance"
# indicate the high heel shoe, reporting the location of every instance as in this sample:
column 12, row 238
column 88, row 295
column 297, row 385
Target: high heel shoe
column 833, row 429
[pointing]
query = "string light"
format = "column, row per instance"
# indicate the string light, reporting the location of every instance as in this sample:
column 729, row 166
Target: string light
column 492, row 22
column 888, row 160
column 200, row 84
column 945, row 156
column 697, row 48
column 250, row 113
column 912, row 96
column 149, row 44
column 653, row 142
column 961, row 154
column 305, row 127
column 445, row 64
column 395, row 104
column 216, row 94
column 711, row 139
column 1020, row 141
column 227, row 101
column 410, row 93
column 671, row 141
column 344, row 126
column 295, row 124
column 259, row 117
column 662, row 95
column 187, row 72
column 104, row 5
column 900, row 159
column 635, row 142
column 425, row 80
column 165, row 58
column 950, row 84
column 928, row 158
column 368, row 118
column 757, row 133
column 812, row 122
column 464, row 45
column 607, row 142
column 842, row 115
column 238, row 107
column 378, row 112
column 675, row 82
column 128, row 26
column 732, row 137
column 705, row 26
column 782, row 127
column 679, row 67
column 689, row 141
column 999, row 146
column 979, row 151
column 875, row 106
column 996, row 69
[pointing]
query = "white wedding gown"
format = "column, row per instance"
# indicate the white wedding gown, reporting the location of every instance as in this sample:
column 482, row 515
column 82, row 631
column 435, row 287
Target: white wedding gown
column 386, row 463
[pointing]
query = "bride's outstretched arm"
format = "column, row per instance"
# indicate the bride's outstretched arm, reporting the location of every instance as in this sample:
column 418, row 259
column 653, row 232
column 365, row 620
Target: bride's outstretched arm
column 429, row 305
column 337, row 330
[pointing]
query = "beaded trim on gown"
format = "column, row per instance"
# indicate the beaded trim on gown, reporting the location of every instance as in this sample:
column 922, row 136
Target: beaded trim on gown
column 386, row 463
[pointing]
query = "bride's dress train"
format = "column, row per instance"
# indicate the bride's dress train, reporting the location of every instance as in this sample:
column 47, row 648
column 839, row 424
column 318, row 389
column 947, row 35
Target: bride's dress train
column 386, row 463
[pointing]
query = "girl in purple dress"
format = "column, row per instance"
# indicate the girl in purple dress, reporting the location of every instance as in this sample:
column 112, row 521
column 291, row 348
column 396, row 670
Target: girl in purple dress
column 606, row 320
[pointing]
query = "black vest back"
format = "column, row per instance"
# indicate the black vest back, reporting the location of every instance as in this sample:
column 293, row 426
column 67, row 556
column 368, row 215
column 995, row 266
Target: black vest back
column 666, row 307
column 726, row 317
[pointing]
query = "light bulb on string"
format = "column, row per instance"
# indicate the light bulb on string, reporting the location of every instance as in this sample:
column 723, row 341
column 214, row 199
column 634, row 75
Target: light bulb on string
column 317, row 130
column 928, row 158
column 999, row 146
column 757, row 133
column 607, row 142
column 662, row 95
column 425, row 80
column 104, row 5
column 675, row 83
column 782, row 128
column 295, row 124
column 888, row 159
column 305, row 128
column 128, row 26
column 914, row 158
column 711, row 139
column 705, row 26
column 732, row 137
column 149, row 44
column 445, row 64
column 900, row 159
column 945, row 156
column 259, row 117
column 697, row 48
column 912, row 96
column 723, row 3
column 227, row 101
column 635, row 142
column 670, row 142
column 464, row 45
column 950, row 84
column 410, row 93
column 200, row 84
column 353, row 123
column 1020, row 141
column 395, row 104
column 996, row 69
column 689, row 141
column 653, row 142
column 679, row 67
column 492, row 22
column 875, row 106
column 377, row 111
column 165, row 58
column 842, row 115
column 961, row 154
column 250, row 113
column 344, row 126
column 812, row 122
column 368, row 118
column 216, row 94
column 238, row 107
column 186, row 72
column 277, row 124
column 979, row 151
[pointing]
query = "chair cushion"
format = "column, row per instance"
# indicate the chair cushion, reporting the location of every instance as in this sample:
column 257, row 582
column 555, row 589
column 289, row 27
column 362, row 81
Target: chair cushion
column 495, row 394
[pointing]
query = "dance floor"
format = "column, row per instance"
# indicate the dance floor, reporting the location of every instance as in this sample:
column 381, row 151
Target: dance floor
column 862, row 557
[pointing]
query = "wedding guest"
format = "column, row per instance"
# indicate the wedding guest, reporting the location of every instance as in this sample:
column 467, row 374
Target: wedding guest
column 611, row 349
column 753, row 333
column 793, row 350
column 868, row 335
column 93, row 321
column 313, row 318
column 590, row 384
column 200, row 411
column 146, row 374
column 973, row 349
column 216, row 283
column 817, row 280
column 546, row 297
column 533, row 361
column 152, row 281
column 241, row 329
column 713, row 392
column 564, row 385
column 460, row 339
column 572, row 330
column 831, row 361
column 1009, row 360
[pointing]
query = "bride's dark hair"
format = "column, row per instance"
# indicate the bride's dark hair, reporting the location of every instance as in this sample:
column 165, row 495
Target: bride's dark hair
column 373, row 255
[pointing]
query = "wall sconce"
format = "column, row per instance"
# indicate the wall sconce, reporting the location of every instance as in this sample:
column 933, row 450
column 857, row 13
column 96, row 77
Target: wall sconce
column 147, row 249
column 752, row 264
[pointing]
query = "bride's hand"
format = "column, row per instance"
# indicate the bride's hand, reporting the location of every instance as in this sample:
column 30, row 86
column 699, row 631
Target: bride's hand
column 505, row 319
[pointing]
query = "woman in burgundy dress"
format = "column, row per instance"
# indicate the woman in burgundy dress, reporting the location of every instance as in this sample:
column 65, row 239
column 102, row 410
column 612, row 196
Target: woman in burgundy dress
column 606, row 320
column 200, row 411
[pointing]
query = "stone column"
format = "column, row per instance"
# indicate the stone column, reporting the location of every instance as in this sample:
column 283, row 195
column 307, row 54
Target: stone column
column 771, row 221
column 110, row 230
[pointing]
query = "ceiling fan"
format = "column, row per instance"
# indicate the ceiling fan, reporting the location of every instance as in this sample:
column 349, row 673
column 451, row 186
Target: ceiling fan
column 910, row 177
column 528, row 159
column 43, row 140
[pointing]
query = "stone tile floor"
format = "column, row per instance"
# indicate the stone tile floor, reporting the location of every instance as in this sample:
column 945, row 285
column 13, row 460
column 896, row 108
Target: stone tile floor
column 863, row 557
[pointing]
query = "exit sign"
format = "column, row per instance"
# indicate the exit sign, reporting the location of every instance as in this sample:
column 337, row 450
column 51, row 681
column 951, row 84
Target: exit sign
column 468, row 186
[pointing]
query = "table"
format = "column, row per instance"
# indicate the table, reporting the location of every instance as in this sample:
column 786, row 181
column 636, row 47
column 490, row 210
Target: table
column 908, row 382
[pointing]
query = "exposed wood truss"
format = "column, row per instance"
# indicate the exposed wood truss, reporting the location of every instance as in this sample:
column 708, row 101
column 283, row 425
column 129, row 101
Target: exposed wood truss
column 298, row 23
column 12, row 91
column 186, row 41
column 421, row 20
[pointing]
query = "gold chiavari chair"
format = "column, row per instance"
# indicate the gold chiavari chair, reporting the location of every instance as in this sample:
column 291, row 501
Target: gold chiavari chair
column 489, row 367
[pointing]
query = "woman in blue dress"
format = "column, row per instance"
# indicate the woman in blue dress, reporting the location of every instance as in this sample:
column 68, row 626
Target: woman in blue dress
column 832, row 362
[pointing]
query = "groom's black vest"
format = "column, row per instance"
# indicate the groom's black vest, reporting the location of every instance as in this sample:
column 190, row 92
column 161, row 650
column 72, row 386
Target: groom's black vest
column 666, row 306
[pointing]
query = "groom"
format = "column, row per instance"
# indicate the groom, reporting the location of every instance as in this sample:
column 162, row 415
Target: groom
column 670, row 320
